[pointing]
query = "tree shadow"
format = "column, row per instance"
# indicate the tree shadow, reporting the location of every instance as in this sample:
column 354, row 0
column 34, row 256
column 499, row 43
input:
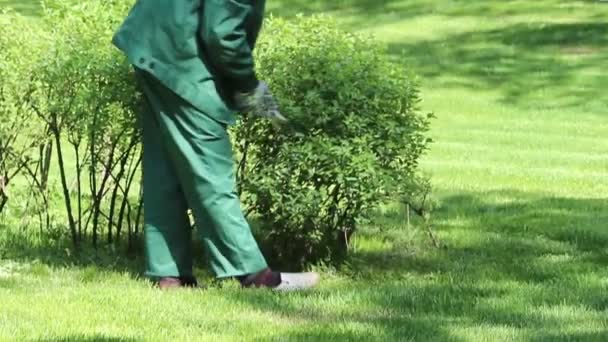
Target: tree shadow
column 411, row 8
column 551, row 66
column 369, row 13
column 89, row 338
column 360, row 8
column 580, row 223
column 398, row 313
column 501, row 9
column 402, row 9
column 530, row 239
column 523, row 248
column 56, row 251
column 544, row 243
column 28, row 8
column 393, row 314
column 572, row 337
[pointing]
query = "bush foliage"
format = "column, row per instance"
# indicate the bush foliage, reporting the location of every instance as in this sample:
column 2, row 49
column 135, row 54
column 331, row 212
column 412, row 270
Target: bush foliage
column 353, row 140
column 74, row 94
column 18, row 131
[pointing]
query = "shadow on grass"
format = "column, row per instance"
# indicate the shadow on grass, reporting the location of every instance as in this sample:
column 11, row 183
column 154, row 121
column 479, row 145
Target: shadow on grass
column 502, row 9
column 582, row 336
column 55, row 250
column 89, row 338
column 523, row 251
column 534, row 65
column 389, row 313
column 362, row 9
column 367, row 11
column 530, row 65
column 514, row 236
column 25, row 7
column 509, row 256
column 404, row 312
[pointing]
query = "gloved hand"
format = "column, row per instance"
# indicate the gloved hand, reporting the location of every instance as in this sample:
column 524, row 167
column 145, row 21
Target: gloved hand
column 261, row 103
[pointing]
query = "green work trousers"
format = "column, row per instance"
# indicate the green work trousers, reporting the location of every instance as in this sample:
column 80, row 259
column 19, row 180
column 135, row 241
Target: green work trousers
column 188, row 163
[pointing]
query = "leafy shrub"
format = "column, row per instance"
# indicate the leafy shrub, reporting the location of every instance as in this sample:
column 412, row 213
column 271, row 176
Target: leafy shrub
column 354, row 138
column 19, row 133
column 65, row 77
column 88, row 98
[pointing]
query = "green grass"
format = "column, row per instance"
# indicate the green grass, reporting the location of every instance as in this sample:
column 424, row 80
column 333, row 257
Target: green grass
column 520, row 169
column 30, row 8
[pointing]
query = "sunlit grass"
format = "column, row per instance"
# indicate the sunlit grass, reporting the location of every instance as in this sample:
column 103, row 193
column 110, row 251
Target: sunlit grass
column 519, row 167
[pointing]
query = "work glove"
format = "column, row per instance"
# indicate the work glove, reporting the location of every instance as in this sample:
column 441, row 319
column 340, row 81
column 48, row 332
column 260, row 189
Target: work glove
column 261, row 103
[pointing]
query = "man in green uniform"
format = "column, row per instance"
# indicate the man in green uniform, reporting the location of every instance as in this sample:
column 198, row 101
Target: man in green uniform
column 195, row 66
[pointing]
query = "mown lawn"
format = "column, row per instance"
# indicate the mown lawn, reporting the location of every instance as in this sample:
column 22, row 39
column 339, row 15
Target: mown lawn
column 519, row 166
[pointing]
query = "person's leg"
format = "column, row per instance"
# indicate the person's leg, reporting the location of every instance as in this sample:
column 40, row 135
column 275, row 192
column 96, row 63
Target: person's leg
column 200, row 150
column 167, row 230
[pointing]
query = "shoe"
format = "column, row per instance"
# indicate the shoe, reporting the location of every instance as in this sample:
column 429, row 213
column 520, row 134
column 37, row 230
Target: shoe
column 284, row 282
column 298, row 281
column 167, row 283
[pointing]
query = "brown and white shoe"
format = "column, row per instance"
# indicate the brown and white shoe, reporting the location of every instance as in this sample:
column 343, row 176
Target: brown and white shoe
column 284, row 282
column 298, row 281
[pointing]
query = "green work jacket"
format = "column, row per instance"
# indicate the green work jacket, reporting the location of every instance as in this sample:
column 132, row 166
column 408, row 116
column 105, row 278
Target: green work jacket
column 200, row 49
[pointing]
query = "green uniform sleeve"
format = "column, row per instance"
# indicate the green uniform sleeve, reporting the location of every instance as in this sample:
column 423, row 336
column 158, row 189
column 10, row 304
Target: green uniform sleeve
column 224, row 32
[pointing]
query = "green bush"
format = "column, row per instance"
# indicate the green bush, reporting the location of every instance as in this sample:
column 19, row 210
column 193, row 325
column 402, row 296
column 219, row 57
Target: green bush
column 19, row 132
column 87, row 97
column 62, row 78
column 354, row 139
